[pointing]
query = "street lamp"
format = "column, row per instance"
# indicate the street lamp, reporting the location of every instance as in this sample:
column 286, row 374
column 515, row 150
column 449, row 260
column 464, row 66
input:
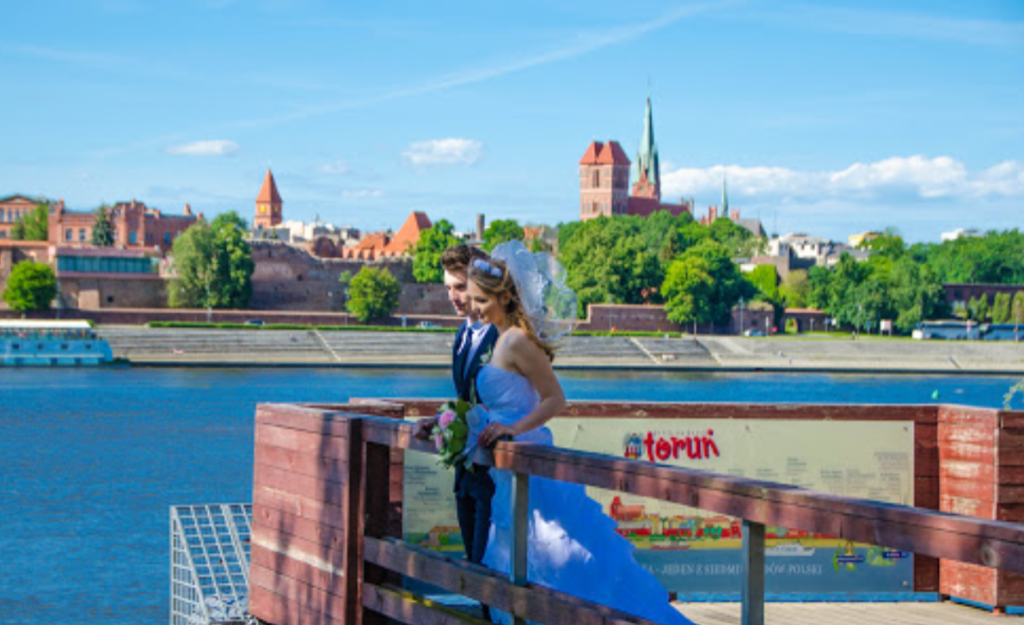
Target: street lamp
column 741, row 315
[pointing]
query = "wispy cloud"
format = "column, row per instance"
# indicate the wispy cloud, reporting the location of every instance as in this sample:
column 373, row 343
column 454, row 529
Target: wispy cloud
column 940, row 177
column 970, row 31
column 361, row 194
column 444, row 152
column 337, row 167
column 215, row 147
column 583, row 43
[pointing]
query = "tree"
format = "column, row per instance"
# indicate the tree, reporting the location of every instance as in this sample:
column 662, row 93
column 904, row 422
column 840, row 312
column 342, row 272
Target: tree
column 213, row 265
column 426, row 263
column 1001, row 308
column 233, row 262
column 703, row 285
column 500, row 231
column 373, row 293
column 34, row 226
column 795, row 289
column 1017, row 308
column 31, row 286
column 688, row 291
column 102, row 229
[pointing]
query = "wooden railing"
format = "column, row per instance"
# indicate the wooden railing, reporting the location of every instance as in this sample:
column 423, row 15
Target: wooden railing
column 327, row 524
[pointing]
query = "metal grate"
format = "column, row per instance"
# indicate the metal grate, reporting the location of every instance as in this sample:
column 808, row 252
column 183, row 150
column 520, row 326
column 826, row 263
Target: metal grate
column 210, row 563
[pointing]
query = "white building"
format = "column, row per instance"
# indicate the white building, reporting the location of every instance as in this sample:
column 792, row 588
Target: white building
column 959, row 232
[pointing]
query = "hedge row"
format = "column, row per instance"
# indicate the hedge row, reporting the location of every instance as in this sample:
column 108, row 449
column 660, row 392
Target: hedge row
column 352, row 328
column 289, row 326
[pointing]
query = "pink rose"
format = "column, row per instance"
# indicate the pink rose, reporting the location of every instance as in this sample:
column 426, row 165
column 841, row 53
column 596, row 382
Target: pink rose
column 445, row 419
column 439, row 441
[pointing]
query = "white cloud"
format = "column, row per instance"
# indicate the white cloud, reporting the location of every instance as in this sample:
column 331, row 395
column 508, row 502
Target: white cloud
column 214, row 147
column 444, row 152
column 338, row 167
column 361, row 194
column 927, row 178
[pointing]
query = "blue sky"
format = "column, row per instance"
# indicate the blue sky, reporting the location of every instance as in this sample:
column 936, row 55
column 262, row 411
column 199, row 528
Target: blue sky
column 827, row 118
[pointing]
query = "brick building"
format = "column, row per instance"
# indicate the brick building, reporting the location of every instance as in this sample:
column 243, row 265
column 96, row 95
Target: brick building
column 605, row 179
column 269, row 205
column 135, row 226
column 15, row 207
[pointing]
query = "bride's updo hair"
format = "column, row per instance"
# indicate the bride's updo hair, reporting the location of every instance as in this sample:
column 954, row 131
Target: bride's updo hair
column 493, row 278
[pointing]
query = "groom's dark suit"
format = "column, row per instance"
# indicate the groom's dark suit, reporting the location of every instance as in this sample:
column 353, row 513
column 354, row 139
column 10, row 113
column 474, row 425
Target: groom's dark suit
column 473, row 489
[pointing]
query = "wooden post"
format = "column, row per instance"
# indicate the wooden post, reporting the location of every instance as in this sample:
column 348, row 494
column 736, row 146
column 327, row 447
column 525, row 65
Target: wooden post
column 354, row 523
column 520, row 525
column 376, row 519
column 752, row 592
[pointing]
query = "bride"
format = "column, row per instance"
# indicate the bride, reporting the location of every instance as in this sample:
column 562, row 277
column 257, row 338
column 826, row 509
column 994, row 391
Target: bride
column 572, row 545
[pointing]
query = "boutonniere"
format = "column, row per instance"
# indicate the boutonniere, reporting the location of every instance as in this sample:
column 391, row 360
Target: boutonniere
column 486, row 358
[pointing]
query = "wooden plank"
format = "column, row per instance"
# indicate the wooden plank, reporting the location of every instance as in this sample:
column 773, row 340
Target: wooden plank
column 271, row 607
column 328, row 492
column 926, row 574
column 531, row 602
column 968, row 581
column 968, row 489
column 957, row 414
column 331, row 551
column 292, row 525
column 297, row 566
column 299, row 417
column 401, row 606
column 298, row 593
column 312, row 464
column 308, row 443
column 968, row 506
column 299, row 506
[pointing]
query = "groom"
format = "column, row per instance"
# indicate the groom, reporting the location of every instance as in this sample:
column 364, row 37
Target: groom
column 473, row 489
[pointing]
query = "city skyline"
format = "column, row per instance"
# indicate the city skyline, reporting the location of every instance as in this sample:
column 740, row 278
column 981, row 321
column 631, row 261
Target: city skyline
column 827, row 120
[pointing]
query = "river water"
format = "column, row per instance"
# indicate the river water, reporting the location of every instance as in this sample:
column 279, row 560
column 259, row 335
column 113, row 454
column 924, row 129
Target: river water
column 91, row 459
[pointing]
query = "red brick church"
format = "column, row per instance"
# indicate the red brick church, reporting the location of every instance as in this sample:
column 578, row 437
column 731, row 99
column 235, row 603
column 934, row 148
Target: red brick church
column 605, row 179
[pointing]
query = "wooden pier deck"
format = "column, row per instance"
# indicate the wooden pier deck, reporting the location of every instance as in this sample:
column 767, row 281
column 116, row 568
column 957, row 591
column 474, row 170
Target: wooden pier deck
column 945, row 613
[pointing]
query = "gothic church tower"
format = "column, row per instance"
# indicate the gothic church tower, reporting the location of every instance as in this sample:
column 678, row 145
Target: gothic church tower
column 604, row 181
column 647, row 170
column 268, row 204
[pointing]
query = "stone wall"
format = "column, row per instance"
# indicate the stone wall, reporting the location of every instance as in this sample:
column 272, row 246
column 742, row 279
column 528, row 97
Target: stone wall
column 113, row 292
column 289, row 278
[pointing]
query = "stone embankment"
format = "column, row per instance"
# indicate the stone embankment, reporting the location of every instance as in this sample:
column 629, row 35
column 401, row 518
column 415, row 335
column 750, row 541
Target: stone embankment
column 166, row 346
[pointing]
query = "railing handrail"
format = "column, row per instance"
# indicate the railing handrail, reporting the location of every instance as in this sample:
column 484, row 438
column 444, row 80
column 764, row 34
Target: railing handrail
column 996, row 544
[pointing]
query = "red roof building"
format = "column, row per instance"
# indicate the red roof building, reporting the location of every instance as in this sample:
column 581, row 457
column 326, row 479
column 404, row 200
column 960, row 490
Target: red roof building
column 268, row 204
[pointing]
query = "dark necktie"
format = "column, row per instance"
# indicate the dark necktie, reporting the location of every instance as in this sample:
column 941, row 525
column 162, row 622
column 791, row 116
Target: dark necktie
column 459, row 365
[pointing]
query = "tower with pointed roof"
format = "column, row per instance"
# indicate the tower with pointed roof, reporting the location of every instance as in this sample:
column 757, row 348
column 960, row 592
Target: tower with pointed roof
column 647, row 171
column 604, row 180
column 268, row 204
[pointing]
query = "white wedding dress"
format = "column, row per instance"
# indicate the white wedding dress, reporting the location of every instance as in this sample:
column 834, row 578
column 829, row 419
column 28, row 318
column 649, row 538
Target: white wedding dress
column 572, row 545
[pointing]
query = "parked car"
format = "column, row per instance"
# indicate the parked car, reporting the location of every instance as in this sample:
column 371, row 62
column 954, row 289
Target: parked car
column 254, row 322
column 753, row 333
column 428, row 325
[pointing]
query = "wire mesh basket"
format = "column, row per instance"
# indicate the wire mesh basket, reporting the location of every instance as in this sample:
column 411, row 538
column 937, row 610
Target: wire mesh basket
column 210, row 563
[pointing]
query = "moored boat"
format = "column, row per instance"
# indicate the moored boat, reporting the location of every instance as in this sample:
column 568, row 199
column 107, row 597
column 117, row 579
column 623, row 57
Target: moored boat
column 50, row 343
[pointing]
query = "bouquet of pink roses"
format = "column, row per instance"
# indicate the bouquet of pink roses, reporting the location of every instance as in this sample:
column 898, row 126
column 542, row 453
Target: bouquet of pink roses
column 451, row 433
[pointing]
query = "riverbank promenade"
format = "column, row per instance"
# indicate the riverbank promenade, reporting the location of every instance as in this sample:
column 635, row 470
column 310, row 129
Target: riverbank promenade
column 338, row 489
column 264, row 347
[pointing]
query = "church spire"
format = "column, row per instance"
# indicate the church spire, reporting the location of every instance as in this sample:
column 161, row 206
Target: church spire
column 725, row 197
column 647, row 167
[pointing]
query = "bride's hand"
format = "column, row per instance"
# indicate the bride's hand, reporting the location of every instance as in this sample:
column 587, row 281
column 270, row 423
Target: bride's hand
column 495, row 432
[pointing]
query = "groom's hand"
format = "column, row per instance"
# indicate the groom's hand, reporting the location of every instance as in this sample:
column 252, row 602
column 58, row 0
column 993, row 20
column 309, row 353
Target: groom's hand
column 424, row 427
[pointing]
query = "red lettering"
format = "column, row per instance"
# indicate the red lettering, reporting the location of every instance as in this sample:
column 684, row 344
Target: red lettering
column 693, row 450
column 709, row 445
column 676, row 444
column 649, row 441
column 663, row 449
